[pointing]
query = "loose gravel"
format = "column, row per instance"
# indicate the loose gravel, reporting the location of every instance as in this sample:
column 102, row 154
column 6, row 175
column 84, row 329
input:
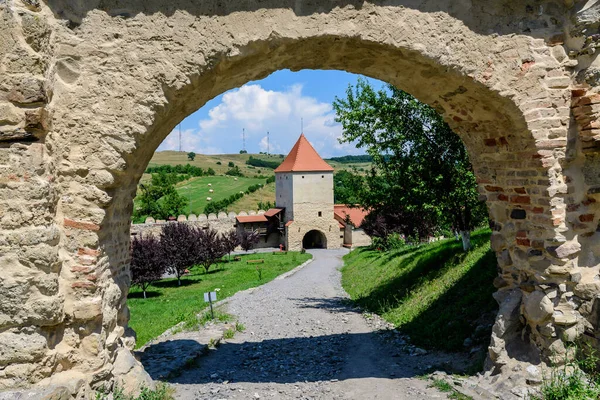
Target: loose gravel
column 305, row 340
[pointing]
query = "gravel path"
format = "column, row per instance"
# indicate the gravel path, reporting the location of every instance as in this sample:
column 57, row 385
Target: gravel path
column 304, row 340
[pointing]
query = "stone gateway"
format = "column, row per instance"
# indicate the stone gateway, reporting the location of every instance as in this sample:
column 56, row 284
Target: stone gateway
column 89, row 89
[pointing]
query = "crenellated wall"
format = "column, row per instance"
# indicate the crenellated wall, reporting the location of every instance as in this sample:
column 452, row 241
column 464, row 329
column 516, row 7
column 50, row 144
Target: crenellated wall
column 222, row 223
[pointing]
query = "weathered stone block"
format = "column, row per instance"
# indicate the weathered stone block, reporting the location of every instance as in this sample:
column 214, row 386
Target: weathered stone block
column 538, row 307
column 29, row 91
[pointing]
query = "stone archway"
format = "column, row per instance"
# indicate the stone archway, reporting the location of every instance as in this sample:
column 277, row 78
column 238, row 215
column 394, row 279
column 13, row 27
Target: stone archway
column 90, row 89
column 314, row 239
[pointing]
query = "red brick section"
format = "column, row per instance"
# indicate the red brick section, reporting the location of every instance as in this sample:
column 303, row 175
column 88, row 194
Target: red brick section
column 86, row 226
column 520, row 199
column 83, row 285
column 84, row 251
column 587, row 115
column 586, row 217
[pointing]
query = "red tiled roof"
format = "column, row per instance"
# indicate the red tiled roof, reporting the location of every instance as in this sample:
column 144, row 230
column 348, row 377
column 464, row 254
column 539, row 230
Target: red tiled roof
column 289, row 222
column 357, row 215
column 244, row 219
column 273, row 212
column 303, row 158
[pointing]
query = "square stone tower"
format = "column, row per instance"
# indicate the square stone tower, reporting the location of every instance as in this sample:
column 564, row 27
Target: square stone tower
column 304, row 187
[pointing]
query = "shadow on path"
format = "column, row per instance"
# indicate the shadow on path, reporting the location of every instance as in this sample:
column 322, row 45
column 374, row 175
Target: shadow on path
column 299, row 359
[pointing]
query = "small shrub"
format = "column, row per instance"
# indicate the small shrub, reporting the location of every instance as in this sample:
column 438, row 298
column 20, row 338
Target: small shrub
column 162, row 392
column 576, row 379
column 147, row 261
column 248, row 239
column 229, row 334
column 239, row 327
column 219, row 163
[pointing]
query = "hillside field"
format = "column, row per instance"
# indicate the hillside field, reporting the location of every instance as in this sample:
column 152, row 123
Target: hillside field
column 196, row 190
column 206, row 161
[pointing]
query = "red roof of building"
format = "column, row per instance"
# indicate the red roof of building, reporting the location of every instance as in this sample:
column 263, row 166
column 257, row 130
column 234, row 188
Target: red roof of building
column 244, row 219
column 303, row 158
column 273, row 212
column 357, row 215
column 289, row 222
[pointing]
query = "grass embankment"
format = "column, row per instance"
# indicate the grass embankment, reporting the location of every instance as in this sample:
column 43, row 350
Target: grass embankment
column 196, row 190
column 435, row 293
column 250, row 201
column 168, row 304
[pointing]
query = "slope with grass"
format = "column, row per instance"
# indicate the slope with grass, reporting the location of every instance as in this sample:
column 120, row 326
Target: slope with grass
column 435, row 293
column 196, row 190
column 168, row 304
column 210, row 161
column 250, row 201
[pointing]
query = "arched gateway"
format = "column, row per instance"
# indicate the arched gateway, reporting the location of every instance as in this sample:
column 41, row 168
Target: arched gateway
column 89, row 89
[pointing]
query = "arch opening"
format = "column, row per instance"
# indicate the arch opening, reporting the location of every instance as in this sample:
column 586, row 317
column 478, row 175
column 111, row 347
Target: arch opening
column 314, row 239
column 482, row 84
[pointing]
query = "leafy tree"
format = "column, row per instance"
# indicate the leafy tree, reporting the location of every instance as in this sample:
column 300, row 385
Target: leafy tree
column 248, row 239
column 159, row 199
column 230, row 164
column 265, row 205
column 209, row 247
column 191, row 155
column 419, row 167
column 243, row 152
column 347, row 187
column 147, row 261
column 210, row 171
column 179, row 241
column 234, row 171
column 230, row 241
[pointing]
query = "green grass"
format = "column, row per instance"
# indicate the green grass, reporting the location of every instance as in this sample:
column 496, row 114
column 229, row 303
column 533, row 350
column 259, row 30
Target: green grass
column 435, row 293
column 162, row 392
column 445, row 387
column 196, row 190
column 168, row 304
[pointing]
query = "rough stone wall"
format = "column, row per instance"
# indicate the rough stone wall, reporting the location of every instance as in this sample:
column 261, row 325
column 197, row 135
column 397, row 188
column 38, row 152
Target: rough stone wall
column 31, row 305
column 104, row 82
column 360, row 238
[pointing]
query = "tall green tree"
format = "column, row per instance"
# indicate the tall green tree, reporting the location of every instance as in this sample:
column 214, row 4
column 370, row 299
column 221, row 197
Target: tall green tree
column 159, row 199
column 421, row 171
column 347, row 187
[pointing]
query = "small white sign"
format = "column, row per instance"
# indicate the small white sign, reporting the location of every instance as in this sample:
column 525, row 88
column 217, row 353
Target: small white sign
column 213, row 296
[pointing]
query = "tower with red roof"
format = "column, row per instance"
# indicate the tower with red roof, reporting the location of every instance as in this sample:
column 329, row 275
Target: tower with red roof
column 304, row 188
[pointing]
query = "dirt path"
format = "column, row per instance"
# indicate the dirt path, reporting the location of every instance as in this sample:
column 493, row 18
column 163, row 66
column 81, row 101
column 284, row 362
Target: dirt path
column 304, row 340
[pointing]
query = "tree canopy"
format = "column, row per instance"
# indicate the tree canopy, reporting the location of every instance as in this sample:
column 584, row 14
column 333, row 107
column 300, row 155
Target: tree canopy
column 421, row 180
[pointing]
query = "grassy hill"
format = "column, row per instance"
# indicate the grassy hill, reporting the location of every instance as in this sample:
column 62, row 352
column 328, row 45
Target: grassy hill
column 435, row 293
column 196, row 190
column 206, row 161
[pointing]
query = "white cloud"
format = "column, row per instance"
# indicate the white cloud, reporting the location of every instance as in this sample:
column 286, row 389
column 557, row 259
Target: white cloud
column 257, row 110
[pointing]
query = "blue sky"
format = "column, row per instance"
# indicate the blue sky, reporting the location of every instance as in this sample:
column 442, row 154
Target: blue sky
column 275, row 104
